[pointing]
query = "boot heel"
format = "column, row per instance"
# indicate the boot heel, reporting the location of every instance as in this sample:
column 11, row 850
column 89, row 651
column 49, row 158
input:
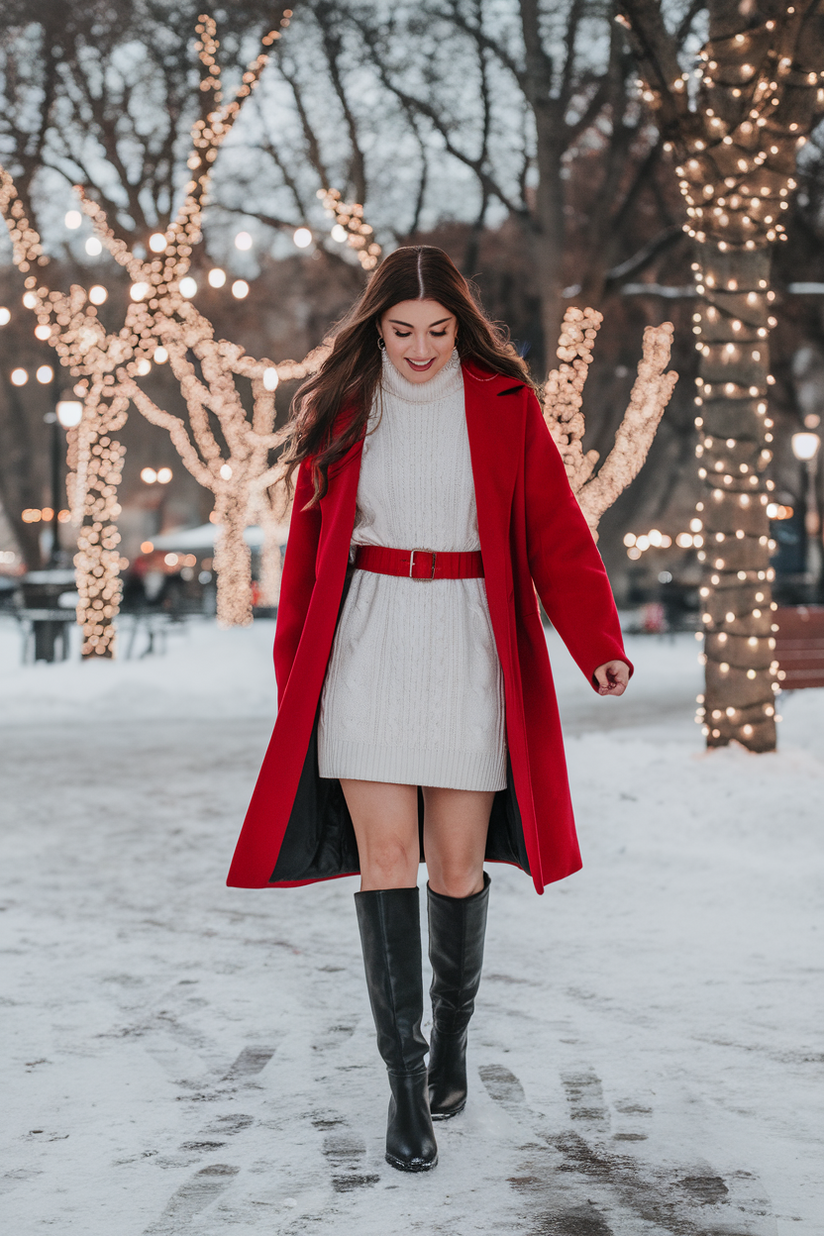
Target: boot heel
column 410, row 1138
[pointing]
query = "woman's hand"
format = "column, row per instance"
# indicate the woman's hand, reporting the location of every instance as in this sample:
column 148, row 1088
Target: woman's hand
column 612, row 678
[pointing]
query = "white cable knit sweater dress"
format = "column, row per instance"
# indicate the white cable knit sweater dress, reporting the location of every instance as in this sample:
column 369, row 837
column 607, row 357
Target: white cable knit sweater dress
column 414, row 691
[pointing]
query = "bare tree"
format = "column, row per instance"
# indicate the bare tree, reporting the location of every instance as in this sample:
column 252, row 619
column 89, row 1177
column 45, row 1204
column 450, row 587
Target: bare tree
column 107, row 364
column 101, row 93
column 549, row 86
column 104, row 93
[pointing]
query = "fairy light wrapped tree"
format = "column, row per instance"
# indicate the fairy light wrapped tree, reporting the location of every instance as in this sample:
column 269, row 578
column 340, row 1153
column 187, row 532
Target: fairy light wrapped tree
column 563, row 400
column 70, row 323
column 222, row 447
column 735, row 144
column 162, row 325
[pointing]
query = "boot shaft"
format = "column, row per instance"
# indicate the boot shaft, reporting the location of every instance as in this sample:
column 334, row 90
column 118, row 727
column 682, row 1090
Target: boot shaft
column 457, row 928
column 390, row 931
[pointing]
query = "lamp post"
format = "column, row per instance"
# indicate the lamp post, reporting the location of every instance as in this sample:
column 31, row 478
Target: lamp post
column 805, row 448
column 67, row 414
column 45, row 376
column 161, row 477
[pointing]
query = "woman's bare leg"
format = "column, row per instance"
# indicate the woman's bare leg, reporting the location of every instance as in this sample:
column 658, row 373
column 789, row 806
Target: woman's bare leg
column 385, row 819
column 456, row 823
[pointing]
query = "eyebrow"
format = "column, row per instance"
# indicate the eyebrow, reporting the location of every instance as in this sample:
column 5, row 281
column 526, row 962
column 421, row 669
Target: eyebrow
column 397, row 322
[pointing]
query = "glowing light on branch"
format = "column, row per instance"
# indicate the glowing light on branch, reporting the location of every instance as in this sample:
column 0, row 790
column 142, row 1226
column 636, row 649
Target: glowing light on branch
column 563, row 398
column 735, row 147
column 106, row 368
column 350, row 226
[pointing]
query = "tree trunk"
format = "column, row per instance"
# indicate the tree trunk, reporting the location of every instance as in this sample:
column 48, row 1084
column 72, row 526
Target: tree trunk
column 548, row 223
column 97, row 561
column 756, row 102
column 232, row 563
column 739, row 697
column 548, row 229
column 270, row 567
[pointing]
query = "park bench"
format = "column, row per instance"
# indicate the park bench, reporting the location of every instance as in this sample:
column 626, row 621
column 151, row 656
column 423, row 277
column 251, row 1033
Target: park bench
column 44, row 619
column 799, row 646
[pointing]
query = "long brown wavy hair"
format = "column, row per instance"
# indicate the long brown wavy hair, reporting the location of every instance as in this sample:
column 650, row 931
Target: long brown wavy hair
column 350, row 374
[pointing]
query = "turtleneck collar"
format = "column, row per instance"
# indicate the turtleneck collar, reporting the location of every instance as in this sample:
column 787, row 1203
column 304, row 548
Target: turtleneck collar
column 448, row 381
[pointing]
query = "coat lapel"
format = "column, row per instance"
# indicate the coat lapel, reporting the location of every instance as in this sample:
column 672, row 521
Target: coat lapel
column 493, row 422
column 338, row 515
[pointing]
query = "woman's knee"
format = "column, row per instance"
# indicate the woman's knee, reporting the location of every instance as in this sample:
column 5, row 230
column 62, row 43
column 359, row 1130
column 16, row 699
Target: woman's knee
column 456, row 879
column 389, row 862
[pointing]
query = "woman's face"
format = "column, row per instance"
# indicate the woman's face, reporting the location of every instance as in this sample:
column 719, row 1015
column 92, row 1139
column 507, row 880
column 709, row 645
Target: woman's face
column 419, row 337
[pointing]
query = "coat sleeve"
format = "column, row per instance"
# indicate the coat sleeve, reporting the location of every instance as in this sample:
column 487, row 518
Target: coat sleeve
column 298, row 578
column 565, row 565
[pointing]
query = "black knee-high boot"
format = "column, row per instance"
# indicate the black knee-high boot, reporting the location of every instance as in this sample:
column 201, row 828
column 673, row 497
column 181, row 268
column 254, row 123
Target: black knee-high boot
column 457, row 926
column 390, row 929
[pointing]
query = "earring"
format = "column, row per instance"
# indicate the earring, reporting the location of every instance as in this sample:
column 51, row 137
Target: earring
column 381, row 342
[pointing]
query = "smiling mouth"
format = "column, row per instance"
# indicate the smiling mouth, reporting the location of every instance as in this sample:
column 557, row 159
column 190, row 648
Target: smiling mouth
column 420, row 366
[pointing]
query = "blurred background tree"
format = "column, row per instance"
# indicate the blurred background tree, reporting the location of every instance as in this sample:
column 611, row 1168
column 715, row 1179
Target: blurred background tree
column 514, row 134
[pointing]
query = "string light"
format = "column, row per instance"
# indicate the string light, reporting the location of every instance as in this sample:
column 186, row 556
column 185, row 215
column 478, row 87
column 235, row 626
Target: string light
column 563, row 398
column 106, row 367
column 34, row 516
column 733, row 147
column 349, row 226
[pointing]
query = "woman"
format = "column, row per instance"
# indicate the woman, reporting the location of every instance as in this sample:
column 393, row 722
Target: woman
column 416, row 711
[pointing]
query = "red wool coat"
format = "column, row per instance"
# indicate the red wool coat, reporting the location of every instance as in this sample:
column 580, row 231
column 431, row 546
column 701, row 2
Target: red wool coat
column 533, row 536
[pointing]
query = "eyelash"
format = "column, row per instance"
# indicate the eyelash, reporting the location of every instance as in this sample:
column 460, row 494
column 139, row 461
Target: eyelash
column 438, row 334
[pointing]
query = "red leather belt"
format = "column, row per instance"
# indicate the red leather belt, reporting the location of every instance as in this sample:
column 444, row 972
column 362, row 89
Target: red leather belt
column 420, row 564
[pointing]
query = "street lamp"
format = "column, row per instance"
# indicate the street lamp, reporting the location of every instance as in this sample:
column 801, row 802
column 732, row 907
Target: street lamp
column 805, row 448
column 160, row 477
column 805, row 445
column 68, row 413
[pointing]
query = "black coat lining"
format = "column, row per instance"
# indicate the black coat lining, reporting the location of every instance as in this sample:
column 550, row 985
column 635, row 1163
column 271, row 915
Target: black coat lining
column 319, row 842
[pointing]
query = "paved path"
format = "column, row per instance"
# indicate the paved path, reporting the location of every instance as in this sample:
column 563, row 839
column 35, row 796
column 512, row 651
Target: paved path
column 181, row 1058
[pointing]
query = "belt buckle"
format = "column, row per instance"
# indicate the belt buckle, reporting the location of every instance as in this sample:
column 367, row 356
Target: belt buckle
column 422, row 579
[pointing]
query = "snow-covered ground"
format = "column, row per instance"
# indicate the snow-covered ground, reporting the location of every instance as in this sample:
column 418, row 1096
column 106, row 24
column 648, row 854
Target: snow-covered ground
column 180, row 1057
